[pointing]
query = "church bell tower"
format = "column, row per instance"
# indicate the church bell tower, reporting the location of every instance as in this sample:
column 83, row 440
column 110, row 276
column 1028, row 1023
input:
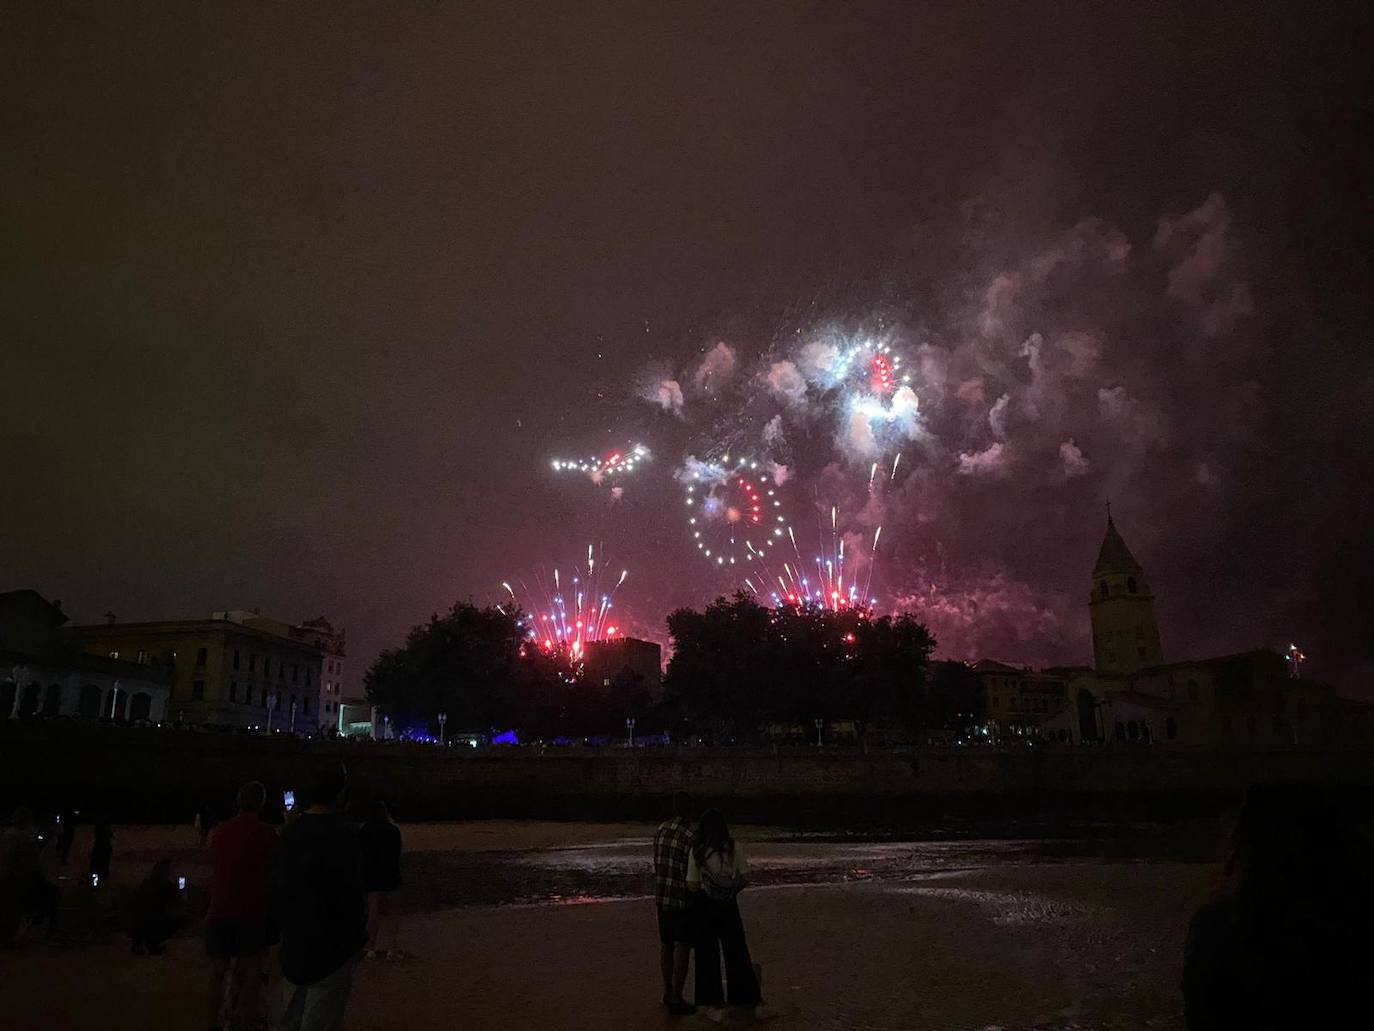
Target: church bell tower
column 1122, row 607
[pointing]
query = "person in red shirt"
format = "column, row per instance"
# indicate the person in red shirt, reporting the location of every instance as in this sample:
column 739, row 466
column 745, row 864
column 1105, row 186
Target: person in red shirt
column 238, row 927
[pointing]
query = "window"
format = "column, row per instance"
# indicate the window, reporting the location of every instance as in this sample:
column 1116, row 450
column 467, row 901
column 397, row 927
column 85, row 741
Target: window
column 281, row 671
column 1130, row 584
column 996, row 701
column 114, row 655
column 252, row 664
column 200, row 658
column 236, row 658
column 1111, row 657
column 1141, row 652
column 1014, row 704
column 1170, row 728
column 307, row 676
column 295, row 672
column 1120, row 731
column 198, row 691
column 142, row 658
column 1139, row 632
column 233, row 690
column 1192, row 690
column 266, row 666
column 306, row 705
column 1250, row 725
column 1133, row 730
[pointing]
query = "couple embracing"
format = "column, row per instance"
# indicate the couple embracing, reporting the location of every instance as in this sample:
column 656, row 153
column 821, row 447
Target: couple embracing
column 699, row 871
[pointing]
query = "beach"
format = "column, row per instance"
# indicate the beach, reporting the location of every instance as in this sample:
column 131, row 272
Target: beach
column 546, row 925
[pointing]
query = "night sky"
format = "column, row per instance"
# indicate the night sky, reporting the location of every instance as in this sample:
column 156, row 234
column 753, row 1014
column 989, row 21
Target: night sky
column 298, row 304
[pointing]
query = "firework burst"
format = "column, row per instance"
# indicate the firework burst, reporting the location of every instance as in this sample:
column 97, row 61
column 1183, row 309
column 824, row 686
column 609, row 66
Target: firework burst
column 568, row 609
column 608, row 469
column 735, row 513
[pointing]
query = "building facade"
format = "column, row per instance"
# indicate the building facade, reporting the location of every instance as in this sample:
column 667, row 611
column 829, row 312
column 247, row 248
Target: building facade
column 44, row 672
column 1132, row 696
column 235, row 669
column 604, row 661
column 333, row 646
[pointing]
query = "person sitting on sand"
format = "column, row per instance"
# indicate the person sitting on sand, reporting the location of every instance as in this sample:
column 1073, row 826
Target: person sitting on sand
column 717, row 871
column 673, row 843
column 154, row 912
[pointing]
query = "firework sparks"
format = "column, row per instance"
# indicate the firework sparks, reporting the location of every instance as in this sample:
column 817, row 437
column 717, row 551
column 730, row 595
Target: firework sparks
column 566, row 621
column 608, row 469
column 734, row 511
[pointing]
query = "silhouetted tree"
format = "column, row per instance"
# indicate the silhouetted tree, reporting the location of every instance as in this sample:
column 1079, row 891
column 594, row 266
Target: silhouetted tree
column 474, row 663
column 739, row 665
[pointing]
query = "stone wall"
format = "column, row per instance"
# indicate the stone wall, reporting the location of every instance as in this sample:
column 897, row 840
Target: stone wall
column 157, row 774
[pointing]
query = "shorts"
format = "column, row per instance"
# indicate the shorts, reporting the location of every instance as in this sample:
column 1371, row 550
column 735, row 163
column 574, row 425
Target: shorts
column 379, row 903
column 676, row 926
column 226, row 939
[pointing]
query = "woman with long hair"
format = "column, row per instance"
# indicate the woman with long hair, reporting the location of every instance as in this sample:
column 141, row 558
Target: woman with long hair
column 717, row 871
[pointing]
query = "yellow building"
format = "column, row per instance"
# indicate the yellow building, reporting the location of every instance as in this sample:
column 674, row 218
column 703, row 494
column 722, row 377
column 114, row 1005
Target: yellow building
column 235, row 669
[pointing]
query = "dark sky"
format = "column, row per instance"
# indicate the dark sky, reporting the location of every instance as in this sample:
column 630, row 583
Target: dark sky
column 298, row 302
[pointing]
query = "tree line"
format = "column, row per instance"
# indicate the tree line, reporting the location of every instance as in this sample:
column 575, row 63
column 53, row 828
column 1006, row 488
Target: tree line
column 740, row 671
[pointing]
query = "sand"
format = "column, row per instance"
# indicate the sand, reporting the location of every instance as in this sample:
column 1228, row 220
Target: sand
column 1089, row 944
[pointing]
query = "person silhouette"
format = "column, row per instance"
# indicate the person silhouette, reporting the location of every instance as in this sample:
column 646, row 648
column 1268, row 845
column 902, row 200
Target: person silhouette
column 1286, row 943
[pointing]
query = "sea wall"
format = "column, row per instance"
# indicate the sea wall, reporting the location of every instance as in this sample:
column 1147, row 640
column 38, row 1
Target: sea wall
column 153, row 774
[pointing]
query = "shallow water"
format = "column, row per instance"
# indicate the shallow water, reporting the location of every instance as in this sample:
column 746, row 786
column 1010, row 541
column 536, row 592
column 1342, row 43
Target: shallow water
column 621, row 868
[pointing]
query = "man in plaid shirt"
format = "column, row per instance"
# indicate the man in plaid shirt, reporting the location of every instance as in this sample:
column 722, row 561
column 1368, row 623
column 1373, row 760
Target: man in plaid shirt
column 673, row 842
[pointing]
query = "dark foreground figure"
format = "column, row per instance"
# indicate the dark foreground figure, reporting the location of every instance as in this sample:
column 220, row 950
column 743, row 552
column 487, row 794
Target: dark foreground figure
column 717, row 871
column 322, row 907
column 1289, row 943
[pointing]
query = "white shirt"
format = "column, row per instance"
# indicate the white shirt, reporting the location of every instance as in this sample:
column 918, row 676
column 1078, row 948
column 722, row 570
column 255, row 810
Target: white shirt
column 734, row 870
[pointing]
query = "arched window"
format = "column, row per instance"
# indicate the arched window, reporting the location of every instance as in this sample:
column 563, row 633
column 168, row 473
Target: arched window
column 1130, row 584
column 88, row 707
column 140, row 706
column 1120, row 731
column 7, row 690
column 52, row 701
column 1133, row 731
column 28, row 699
column 1170, row 728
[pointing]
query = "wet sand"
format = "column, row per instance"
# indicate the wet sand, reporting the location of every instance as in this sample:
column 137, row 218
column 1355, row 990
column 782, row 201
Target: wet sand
column 956, row 935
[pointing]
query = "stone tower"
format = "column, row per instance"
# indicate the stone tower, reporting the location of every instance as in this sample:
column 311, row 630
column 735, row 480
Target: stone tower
column 1125, row 634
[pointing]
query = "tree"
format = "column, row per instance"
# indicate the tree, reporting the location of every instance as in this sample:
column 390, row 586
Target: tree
column 739, row 665
column 473, row 663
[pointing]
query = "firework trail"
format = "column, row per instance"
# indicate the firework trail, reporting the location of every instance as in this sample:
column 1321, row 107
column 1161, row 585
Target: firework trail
column 565, row 621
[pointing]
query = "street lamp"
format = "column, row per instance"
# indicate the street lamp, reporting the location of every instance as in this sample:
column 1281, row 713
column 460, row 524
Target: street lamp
column 20, row 674
column 114, row 698
column 443, row 719
column 293, row 715
column 630, row 726
column 271, row 704
column 819, row 724
column 386, row 728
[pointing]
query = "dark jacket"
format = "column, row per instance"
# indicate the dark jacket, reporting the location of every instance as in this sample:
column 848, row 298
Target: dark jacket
column 319, row 899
